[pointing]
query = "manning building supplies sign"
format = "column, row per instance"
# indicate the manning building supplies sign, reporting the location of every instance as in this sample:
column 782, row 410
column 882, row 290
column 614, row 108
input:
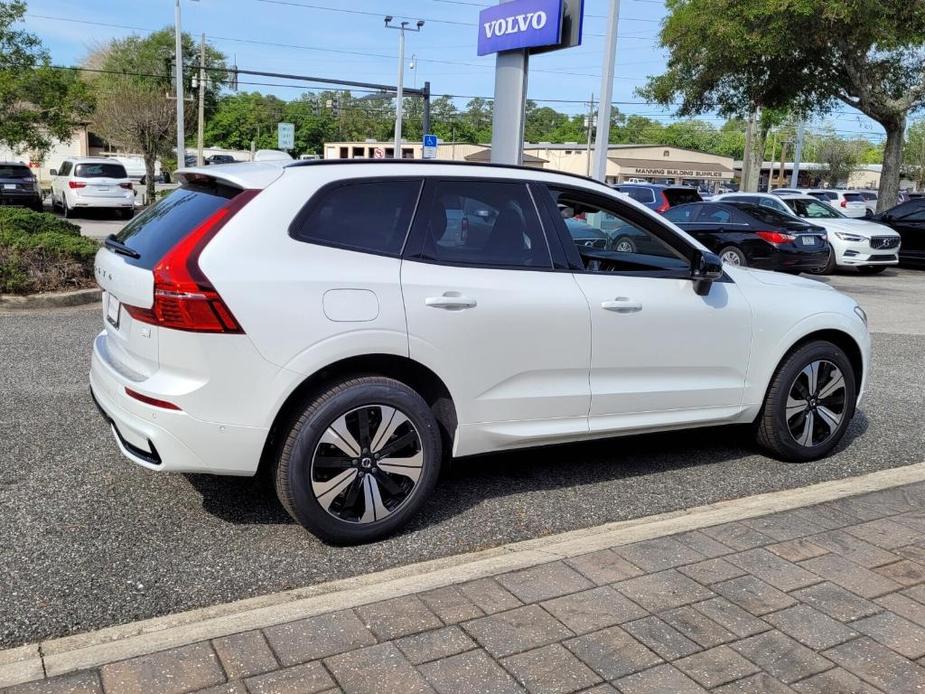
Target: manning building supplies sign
column 520, row 24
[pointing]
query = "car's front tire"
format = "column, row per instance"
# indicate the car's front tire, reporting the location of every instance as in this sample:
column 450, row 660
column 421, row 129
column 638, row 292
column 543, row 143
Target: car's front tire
column 809, row 403
column 360, row 460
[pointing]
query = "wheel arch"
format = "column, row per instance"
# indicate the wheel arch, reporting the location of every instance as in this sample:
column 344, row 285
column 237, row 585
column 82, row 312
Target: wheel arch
column 412, row 373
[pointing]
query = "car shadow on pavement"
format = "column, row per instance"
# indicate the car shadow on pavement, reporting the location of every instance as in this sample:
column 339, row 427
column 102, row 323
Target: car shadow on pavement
column 470, row 481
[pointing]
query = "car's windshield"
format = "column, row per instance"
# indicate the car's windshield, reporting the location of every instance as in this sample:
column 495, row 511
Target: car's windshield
column 812, row 209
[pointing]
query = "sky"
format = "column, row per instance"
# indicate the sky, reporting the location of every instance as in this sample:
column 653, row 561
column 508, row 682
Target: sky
column 346, row 39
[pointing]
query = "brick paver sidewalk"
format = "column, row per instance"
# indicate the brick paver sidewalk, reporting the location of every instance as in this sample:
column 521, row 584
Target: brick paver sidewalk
column 828, row 598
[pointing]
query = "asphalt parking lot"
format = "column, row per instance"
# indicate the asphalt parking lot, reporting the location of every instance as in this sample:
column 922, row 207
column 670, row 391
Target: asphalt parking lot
column 87, row 539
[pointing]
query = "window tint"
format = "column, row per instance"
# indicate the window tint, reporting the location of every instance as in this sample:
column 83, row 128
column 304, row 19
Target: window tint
column 853, row 197
column 627, row 240
column 913, row 211
column 824, row 195
column 774, row 204
column 485, row 223
column 100, row 171
column 162, row 225
column 768, row 216
column 754, row 199
column 371, row 216
column 715, row 215
column 679, row 196
column 65, row 169
column 14, row 171
column 682, row 213
column 813, row 209
column 643, row 195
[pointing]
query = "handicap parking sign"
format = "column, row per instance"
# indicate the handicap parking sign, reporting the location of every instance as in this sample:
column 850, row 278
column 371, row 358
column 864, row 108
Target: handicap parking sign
column 429, row 150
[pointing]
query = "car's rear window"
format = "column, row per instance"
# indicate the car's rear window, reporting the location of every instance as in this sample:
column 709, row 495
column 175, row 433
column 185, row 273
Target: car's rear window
column 100, row 171
column 680, row 196
column 13, row 171
column 853, row 197
column 643, row 195
column 824, row 195
column 767, row 215
column 161, row 226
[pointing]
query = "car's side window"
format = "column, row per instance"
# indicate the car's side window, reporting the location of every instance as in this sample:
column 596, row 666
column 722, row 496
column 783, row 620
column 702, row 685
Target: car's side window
column 913, row 212
column 682, row 214
column 774, row 205
column 715, row 215
column 65, row 169
column 481, row 223
column 643, row 195
column 627, row 243
column 372, row 215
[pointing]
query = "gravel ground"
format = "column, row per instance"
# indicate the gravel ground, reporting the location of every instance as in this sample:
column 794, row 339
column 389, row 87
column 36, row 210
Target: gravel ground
column 89, row 540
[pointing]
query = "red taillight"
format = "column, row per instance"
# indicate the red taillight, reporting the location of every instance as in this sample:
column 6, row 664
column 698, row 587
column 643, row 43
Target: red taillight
column 76, row 184
column 184, row 298
column 774, row 236
column 149, row 400
column 665, row 206
column 127, row 186
column 844, row 203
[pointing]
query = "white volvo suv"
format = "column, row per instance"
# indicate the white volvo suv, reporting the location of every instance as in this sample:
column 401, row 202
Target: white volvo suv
column 346, row 326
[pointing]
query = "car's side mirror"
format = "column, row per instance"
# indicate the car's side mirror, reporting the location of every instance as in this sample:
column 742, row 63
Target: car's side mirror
column 706, row 268
column 53, row 172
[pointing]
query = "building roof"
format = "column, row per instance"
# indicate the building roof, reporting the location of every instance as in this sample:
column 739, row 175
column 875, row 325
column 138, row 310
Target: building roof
column 484, row 155
column 671, row 164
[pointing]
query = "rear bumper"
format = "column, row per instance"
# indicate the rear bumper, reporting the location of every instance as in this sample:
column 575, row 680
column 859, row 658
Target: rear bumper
column 104, row 202
column 782, row 259
column 24, row 198
column 169, row 440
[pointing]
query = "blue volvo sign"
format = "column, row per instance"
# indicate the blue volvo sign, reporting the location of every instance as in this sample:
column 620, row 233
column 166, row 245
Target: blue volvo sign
column 520, row 24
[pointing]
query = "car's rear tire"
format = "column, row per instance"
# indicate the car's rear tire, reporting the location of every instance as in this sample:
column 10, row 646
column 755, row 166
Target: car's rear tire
column 733, row 256
column 829, row 266
column 871, row 269
column 809, row 403
column 66, row 210
column 127, row 213
column 331, row 471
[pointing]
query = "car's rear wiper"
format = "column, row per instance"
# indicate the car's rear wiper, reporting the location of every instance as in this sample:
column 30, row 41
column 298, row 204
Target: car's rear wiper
column 116, row 246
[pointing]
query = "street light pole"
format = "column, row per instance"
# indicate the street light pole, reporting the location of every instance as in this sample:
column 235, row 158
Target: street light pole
column 202, row 100
column 399, row 92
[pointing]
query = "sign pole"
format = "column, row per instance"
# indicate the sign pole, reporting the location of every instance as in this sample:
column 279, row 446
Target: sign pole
column 399, row 96
column 602, row 143
column 507, row 125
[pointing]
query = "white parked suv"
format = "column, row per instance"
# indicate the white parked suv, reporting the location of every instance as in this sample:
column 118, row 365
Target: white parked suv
column 92, row 182
column 857, row 243
column 327, row 322
column 849, row 202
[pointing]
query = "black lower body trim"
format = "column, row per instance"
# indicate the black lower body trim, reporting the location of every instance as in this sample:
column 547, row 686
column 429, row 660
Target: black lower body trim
column 152, row 458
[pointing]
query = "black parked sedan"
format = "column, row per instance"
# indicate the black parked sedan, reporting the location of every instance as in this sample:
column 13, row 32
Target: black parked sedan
column 19, row 186
column 748, row 234
column 908, row 219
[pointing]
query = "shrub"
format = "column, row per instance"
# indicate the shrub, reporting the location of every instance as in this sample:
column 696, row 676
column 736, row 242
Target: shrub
column 41, row 253
column 29, row 222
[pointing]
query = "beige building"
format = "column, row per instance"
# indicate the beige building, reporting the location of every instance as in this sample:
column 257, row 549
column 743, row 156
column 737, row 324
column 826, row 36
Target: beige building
column 624, row 163
column 77, row 146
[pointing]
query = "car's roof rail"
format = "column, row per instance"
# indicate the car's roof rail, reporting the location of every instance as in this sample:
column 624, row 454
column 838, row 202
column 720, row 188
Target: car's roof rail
column 432, row 162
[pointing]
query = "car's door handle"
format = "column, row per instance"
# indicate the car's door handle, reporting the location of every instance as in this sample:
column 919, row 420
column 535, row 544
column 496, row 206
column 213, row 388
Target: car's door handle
column 450, row 301
column 622, row 304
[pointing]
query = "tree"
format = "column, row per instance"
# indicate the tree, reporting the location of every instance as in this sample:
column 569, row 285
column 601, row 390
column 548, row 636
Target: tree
column 914, row 152
column 801, row 56
column 131, row 87
column 839, row 159
column 38, row 104
column 242, row 118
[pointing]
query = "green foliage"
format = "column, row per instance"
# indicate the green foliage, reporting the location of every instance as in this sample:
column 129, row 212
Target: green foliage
column 38, row 103
column 18, row 220
column 914, row 152
column 40, row 253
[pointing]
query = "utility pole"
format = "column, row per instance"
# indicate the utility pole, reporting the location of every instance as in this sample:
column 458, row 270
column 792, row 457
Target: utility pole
column 202, row 100
column 795, row 176
column 602, row 141
column 747, row 155
column 590, row 124
column 772, row 160
column 402, row 28
column 178, row 57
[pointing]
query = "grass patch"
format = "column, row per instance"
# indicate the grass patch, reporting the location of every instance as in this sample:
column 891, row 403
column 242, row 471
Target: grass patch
column 42, row 253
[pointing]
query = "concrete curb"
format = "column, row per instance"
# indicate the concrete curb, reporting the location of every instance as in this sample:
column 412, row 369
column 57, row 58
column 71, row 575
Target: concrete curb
column 78, row 297
column 93, row 649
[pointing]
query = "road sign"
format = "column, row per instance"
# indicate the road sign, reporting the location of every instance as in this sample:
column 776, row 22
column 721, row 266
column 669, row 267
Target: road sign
column 285, row 134
column 429, row 150
column 379, row 153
